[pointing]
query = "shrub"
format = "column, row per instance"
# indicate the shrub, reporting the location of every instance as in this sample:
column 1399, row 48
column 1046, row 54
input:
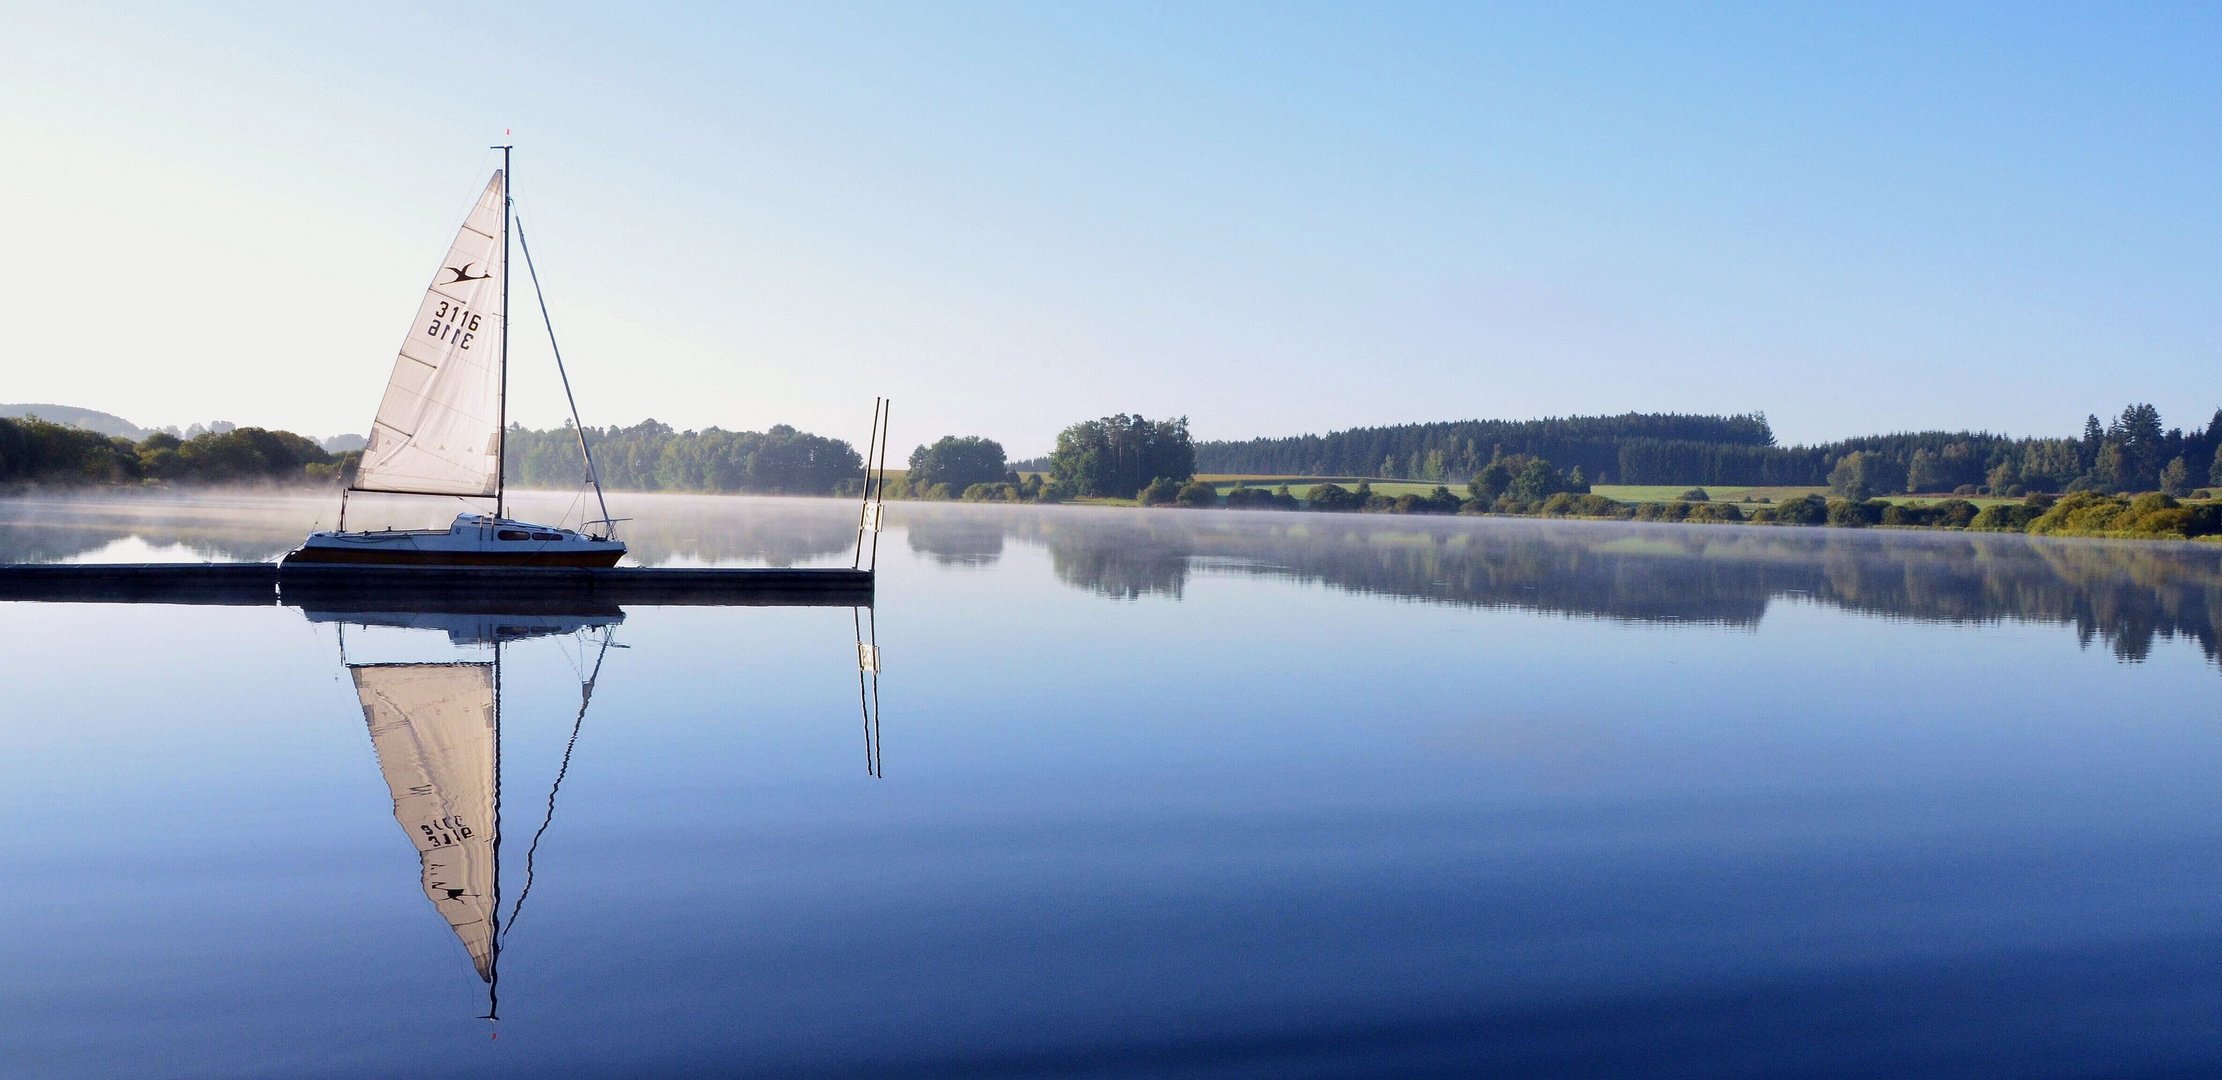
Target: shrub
column 1198, row 494
column 2153, row 515
column 1848, row 514
column 1805, row 510
column 2004, row 517
column 1954, row 514
column 1160, row 492
column 1333, row 497
column 1004, row 492
column 1438, row 501
column 1250, row 498
column 1895, row 514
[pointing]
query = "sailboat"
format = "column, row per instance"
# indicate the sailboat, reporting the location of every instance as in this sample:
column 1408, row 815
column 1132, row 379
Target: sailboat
column 442, row 425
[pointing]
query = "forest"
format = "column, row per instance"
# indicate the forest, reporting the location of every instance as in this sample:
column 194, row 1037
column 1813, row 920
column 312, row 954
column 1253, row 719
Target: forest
column 36, row 452
column 652, row 456
column 2131, row 452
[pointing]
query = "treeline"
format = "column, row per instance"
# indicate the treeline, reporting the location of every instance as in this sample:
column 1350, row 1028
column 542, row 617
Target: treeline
column 2132, row 452
column 652, row 456
column 1532, row 487
column 1457, row 450
column 1117, row 457
column 34, row 451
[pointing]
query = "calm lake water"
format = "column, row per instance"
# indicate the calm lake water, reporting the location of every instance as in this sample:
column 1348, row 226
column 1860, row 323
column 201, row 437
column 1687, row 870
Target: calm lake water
column 1162, row 793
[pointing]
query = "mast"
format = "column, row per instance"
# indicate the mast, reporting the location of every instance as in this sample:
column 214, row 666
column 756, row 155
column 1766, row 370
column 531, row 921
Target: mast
column 501, row 407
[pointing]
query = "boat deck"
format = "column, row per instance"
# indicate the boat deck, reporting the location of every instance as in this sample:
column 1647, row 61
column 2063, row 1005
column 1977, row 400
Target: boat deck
column 252, row 584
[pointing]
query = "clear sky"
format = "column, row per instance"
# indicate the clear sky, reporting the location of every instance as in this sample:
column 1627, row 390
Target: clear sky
column 1273, row 219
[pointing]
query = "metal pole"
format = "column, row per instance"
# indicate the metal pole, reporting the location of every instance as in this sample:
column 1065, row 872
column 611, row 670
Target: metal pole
column 864, row 509
column 501, row 406
column 882, row 489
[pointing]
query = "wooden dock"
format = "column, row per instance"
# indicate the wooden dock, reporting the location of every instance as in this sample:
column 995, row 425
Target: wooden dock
column 252, row 584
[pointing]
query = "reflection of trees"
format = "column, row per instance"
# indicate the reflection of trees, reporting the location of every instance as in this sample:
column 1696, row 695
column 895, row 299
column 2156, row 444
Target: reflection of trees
column 261, row 528
column 952, row 537
column 219, row 528
column 719, row 529
column 2127, row 593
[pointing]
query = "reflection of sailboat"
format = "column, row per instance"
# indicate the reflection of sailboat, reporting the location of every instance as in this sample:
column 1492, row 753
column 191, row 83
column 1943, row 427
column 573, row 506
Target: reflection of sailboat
column 436, row 729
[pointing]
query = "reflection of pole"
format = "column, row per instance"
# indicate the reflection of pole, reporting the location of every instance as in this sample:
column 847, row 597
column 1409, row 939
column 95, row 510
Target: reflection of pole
column 868, row 699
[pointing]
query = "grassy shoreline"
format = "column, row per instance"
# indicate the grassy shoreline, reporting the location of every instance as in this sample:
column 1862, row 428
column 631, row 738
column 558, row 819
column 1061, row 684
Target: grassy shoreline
column 2147, row 516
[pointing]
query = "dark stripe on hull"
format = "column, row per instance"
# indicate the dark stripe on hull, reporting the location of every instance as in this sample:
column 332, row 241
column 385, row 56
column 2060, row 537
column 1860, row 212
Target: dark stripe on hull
column 365, row 557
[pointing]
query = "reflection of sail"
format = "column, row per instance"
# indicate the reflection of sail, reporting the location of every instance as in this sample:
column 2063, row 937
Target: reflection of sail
column 434, row 729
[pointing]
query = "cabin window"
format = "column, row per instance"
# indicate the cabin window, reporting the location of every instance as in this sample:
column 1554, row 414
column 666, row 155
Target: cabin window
column 547, row 536
column 512, row 534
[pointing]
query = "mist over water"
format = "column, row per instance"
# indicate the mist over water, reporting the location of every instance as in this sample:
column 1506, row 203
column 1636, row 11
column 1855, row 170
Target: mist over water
column 1164, row 793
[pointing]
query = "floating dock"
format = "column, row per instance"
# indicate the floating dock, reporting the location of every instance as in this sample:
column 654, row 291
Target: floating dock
column 498, row 588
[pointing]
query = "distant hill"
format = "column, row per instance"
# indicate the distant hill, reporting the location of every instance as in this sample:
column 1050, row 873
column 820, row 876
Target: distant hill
column 89, row 419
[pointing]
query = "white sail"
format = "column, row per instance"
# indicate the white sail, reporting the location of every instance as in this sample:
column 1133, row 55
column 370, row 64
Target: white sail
column 438, row 428
column 433, row 727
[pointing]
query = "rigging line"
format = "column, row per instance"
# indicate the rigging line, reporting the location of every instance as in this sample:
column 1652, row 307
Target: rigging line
column 586, row 694
column 576, row 424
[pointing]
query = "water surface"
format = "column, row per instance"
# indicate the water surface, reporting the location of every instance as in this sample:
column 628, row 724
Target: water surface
column 1161, row 793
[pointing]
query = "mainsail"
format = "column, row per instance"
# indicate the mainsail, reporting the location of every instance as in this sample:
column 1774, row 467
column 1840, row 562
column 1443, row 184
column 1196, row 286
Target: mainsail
column 438, row 430
column 433, row 728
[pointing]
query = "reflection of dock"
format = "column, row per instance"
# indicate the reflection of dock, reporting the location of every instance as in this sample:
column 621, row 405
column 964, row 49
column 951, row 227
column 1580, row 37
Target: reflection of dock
column 248, row 584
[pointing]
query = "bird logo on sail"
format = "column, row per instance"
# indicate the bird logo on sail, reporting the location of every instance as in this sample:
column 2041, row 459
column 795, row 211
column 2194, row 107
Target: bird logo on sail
column 464, row 274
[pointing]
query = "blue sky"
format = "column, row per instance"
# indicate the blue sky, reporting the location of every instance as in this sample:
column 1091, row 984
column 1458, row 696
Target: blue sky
column 1272, row 219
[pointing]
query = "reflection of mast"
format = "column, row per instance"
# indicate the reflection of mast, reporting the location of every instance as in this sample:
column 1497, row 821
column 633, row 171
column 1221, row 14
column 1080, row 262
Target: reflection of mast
column 868, row 698
column 493, row 966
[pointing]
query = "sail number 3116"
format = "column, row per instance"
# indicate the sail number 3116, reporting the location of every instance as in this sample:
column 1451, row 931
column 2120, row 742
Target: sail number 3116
column 453, row 324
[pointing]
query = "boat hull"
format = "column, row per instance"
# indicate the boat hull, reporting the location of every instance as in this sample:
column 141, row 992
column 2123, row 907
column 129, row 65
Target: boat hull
column 474, row 541
column 368, row 556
